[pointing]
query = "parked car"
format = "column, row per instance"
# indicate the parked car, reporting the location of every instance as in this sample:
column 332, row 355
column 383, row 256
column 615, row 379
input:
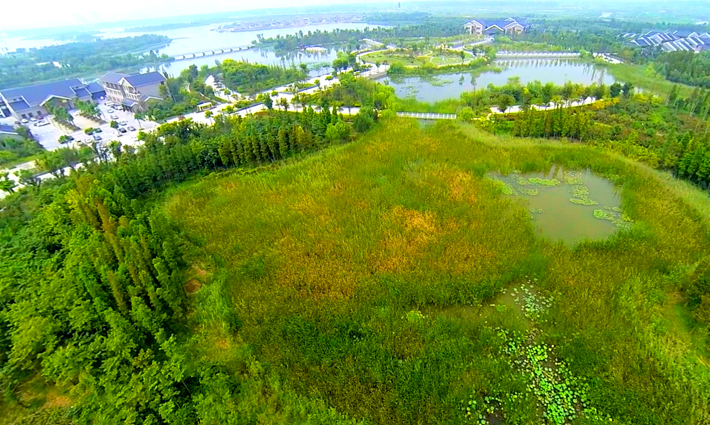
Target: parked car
column 131, row 128
column 24, row 121
column 119, row 134
column 41, row 123
column 97, row 137
column 122, row 130
column 123, row 122
column 98, row 130
column 114, row 117
column 111, row 110
column 33, row 119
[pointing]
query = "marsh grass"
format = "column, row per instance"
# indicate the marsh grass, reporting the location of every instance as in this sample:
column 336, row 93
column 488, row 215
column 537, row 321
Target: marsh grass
column 359, row 276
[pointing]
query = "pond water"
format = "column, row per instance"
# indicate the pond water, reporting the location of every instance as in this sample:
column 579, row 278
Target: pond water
column 450, row 86
column 568, row 205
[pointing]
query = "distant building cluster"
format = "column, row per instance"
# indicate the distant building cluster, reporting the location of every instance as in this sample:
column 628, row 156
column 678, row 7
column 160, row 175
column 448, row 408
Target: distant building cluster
column 676, row 41
column 497, row 26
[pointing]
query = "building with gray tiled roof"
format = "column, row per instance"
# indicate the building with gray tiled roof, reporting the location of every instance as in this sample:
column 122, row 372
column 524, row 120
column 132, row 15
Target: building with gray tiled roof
column 30, row 102
column 497, row 26
column 676, row 41
column 133, row 91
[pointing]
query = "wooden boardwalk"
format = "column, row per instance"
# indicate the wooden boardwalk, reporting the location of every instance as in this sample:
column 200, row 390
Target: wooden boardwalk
column 426, row 116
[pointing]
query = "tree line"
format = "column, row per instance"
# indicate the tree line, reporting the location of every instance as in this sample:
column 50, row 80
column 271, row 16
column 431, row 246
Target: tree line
column 352, row 39
column 79, row 58
column 661, row 134
column 685, row 67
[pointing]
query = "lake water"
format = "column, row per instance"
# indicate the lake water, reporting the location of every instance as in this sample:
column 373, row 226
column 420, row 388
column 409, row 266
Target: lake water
column 450, row 86
column 198, row 39
column 568, row 205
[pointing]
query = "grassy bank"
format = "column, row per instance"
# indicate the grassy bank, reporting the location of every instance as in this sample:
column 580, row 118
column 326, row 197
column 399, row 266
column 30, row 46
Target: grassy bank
column 374, row 276
column 645, row 78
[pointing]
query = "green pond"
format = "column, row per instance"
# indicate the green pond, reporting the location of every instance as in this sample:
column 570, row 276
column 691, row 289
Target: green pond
column 567, row 205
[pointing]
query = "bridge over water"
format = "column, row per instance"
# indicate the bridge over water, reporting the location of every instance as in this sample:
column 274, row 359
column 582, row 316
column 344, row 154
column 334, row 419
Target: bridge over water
column 426, row 116
column 212, row 52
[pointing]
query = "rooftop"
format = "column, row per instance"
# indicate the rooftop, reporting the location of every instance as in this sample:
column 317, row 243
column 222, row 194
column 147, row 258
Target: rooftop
column 7, row 129
column 113, row 77
column 94, row 88
column 137, row 80
column 34, row 96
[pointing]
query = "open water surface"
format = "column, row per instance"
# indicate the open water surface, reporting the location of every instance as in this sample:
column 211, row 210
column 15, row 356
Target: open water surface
column 450, row 86
column 570, row 206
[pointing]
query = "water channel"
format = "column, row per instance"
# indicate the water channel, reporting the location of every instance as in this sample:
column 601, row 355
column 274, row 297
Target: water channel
column 450, row 86
column 568, row 205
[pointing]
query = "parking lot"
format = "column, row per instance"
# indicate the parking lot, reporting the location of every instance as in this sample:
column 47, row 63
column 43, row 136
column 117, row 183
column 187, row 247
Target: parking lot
column 48, row 135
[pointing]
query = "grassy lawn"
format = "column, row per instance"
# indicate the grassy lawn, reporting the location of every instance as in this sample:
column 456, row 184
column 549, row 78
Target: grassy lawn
column 394, row 58
column 376, row 277
column 450, row 58
column 436, row 58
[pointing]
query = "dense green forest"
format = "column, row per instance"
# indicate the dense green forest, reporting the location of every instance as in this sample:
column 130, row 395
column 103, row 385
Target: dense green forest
column 80, row 58
column 685, row 67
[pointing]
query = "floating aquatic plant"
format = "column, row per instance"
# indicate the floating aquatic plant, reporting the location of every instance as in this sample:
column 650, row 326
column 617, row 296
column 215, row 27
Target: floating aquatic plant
column 580, row 195
column 535, row 181
column 529, row 192
column 544, row 182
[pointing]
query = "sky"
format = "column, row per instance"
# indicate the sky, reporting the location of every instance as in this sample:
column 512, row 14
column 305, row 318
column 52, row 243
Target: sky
column 53, row 13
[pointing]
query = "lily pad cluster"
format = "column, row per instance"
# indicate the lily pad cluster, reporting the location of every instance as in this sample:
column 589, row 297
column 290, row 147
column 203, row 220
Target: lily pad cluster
column 561, row 396
column 533, row 304
column 580, row 195
column 535, row 181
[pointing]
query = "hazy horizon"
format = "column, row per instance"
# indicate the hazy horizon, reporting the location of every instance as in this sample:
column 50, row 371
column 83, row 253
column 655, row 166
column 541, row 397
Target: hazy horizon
column 89, row 13
column 86, row 12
